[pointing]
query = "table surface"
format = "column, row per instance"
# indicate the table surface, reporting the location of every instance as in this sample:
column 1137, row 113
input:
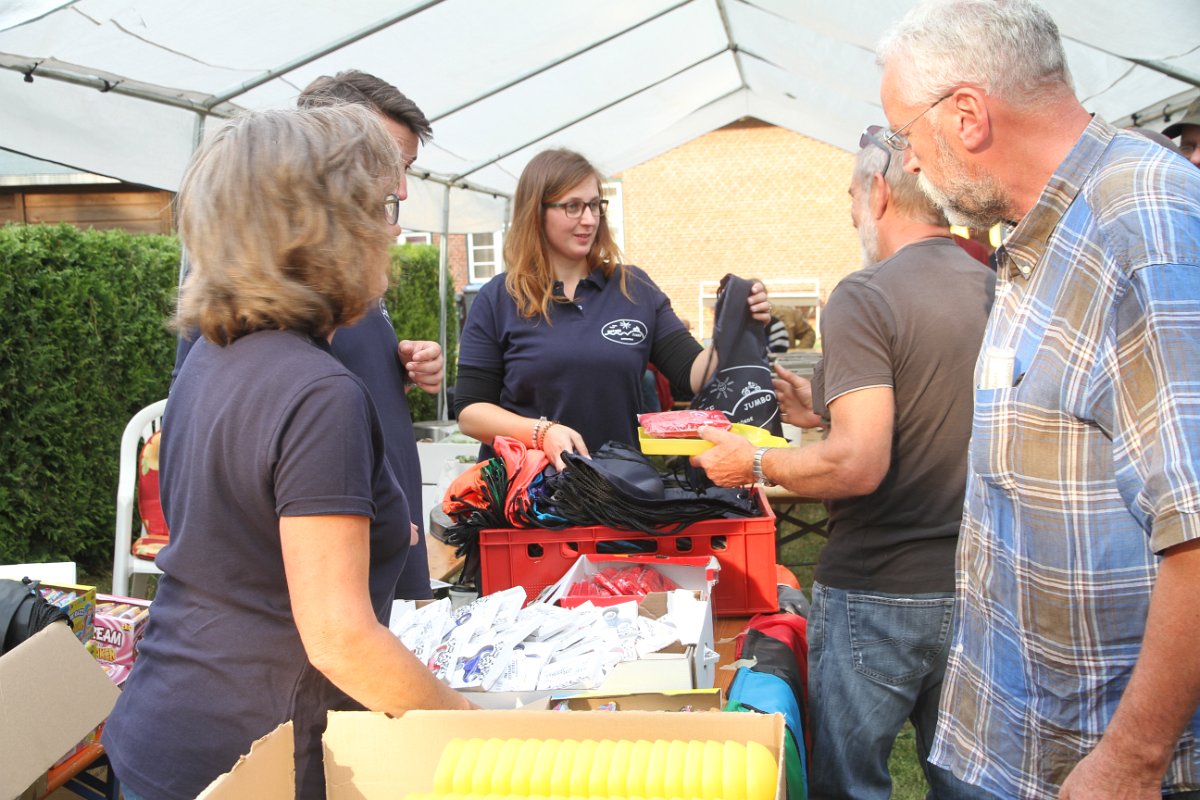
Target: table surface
column 725, row 630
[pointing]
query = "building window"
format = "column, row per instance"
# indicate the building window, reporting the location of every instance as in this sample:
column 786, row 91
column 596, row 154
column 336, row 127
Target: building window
column 414, row 237
column 616, row 211
column 485, row 256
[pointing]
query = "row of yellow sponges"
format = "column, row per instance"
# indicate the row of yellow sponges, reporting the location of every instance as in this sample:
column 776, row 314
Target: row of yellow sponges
column 587, row 768
column 435, row 795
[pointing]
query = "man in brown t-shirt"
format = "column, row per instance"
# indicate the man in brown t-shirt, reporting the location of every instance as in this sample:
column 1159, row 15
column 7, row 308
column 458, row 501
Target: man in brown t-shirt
column 895, row 390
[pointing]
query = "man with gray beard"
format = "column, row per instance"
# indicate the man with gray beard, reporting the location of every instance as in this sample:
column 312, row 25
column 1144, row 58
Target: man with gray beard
column 1075, row 666
column 894, row 391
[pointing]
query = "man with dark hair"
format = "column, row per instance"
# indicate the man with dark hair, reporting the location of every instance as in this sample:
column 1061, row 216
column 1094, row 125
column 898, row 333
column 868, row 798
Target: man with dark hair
column 894, row 390
column 369, row 348
column 1075, row 668
column 353, row 86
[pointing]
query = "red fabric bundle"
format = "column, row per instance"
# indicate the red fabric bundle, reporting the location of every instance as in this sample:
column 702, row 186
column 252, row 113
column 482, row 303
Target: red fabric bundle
column 634, row 581
column 681, row 424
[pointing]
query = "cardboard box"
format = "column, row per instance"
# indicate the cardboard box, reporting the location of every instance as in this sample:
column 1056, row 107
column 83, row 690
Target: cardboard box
column 81, row 610
column 676, row 666
column 371, row 756
column 115, row 635
column 688, row 700
column 691, row 664
column 700, row 573
column 52, row 693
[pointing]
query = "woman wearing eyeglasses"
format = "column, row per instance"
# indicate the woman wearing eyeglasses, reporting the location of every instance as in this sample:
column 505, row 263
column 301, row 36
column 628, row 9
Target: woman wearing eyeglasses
column 553, row 355
column 288, row 528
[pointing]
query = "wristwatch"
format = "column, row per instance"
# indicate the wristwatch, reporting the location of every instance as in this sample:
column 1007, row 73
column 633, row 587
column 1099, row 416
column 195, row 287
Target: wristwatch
column 759, row 475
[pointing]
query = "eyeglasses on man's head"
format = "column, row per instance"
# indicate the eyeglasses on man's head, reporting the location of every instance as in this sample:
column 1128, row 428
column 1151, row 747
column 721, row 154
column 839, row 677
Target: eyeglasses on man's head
column 871, row 136
column 574, row 208
column 391, row 208
column 897, row 140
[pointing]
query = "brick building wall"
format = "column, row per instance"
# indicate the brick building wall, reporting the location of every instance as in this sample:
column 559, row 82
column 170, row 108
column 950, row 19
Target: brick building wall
column 749, row 198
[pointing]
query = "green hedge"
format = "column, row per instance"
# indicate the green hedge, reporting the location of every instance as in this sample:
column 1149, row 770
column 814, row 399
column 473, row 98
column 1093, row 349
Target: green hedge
column 83, row 346
column 413, row 306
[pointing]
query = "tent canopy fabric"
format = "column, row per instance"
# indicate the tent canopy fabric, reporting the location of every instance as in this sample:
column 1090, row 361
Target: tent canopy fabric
column 125, row 88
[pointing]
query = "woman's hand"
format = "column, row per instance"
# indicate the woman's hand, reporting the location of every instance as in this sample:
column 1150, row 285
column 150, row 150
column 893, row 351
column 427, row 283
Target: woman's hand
column 759, row 305
column 559, row 439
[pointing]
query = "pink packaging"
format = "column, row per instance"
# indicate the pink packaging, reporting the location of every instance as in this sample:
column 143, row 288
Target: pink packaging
column 118, row 625
column 681, row 424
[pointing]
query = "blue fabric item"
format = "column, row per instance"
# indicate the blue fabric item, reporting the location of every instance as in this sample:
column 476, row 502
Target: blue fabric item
column 771, row 694
column 875, row 661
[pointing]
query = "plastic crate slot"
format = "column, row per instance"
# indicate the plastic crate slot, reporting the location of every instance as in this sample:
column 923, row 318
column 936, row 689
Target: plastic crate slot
column 744, row 548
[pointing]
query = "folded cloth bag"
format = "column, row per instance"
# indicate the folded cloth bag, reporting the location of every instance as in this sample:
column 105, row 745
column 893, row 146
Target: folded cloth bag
column 741, row 387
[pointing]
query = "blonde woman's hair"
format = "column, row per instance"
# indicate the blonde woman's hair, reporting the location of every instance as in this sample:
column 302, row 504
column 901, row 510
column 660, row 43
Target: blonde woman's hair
column 529, row 276
column 282, row 216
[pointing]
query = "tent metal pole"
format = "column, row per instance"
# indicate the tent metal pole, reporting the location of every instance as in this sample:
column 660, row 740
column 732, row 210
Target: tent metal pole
column 590, row 114
column 113, row 84
column 320, row 52
column 733, row 46
column 443, row 265
column 554, row 63
column 1168, row 70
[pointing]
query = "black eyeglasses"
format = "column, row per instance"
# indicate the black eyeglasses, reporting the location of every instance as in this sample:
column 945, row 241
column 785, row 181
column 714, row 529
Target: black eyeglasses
column 897, row 140
column 574, row 208
column 391, row 208
column 870, row 136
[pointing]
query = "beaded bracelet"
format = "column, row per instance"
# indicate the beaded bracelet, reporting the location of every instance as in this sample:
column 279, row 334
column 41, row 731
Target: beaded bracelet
column 537, row 426
column 542, row 434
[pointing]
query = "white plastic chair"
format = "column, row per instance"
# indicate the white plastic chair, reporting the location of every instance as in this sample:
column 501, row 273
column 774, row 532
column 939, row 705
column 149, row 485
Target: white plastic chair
column 127, row 568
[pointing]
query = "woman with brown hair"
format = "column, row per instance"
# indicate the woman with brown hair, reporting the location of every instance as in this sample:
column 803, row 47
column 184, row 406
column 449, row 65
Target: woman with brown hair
column 553, row 355
column 288, row 528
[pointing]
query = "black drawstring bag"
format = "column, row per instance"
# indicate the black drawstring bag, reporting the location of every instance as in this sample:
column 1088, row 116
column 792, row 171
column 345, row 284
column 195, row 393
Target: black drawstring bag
column 620, row 488
column 741, row 387
column 464, row 533
column 24, row 612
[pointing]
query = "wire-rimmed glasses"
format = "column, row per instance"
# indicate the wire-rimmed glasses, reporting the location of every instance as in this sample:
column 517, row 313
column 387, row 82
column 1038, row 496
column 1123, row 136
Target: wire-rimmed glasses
column 897, row 140
column 391, row 208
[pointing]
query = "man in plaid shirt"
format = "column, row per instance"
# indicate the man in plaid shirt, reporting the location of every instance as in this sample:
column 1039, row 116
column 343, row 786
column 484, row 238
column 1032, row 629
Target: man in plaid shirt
column 1075, row 664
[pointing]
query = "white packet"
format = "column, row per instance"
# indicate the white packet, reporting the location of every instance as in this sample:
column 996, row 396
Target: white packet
column 583, row 671
column 508, row 605
column 654, row 635
column 525, row 662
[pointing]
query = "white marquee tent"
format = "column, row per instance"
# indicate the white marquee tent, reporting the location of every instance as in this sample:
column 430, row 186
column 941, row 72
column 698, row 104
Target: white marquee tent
column 123, row 88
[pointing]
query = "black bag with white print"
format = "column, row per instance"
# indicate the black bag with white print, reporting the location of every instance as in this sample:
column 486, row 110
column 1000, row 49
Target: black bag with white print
column 741, row 387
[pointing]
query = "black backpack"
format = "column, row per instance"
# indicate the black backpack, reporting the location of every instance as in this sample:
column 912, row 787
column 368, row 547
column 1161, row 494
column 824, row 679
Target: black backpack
column 24, row 612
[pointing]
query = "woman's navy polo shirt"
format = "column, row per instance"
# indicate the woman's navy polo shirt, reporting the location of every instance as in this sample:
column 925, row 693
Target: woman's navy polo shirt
column 585, row 369
column 271, row 425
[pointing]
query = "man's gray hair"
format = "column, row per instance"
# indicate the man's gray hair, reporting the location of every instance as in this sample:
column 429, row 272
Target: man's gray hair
column 1008, row 48
column 907, row 197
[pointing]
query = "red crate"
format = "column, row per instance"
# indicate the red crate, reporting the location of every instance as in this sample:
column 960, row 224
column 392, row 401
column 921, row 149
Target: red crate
column 534, row 558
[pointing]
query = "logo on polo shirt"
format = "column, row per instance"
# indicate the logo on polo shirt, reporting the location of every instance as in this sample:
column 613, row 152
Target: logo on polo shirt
column 625, row 331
